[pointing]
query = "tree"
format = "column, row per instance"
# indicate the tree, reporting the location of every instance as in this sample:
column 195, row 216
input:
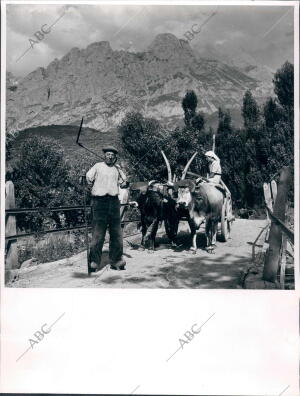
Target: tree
column 8, row 145
column 189, row 105
column 41, row 180
column 250, row 112
column 276, row 143
column 142, row 139
column 284, row 88
column 255, row 140
column 272, row 113
column 198, row 122
column 230, row 149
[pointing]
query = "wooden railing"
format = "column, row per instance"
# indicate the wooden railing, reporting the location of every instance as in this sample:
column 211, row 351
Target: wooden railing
column 11, row 235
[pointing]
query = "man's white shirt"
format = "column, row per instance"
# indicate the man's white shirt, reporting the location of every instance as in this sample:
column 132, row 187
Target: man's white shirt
column 106, row 179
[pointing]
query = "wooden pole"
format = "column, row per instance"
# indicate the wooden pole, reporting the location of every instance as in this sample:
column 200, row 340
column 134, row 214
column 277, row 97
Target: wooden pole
column 283, row 254
column 275, row 237
column 214, row 143
column 11, row 259
column 268, row 202
column 274, row 190
column 283, row 261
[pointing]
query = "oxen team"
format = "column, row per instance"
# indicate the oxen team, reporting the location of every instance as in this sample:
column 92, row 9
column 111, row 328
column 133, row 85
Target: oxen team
column 196, row 201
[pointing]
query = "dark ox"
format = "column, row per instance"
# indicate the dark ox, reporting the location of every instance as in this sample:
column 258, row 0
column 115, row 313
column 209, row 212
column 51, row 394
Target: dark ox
column 200, row 203
column 156, row 203
column 155, row 206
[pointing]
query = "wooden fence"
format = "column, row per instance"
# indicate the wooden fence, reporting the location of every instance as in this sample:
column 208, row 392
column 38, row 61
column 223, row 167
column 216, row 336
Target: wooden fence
column 11, row 235
column 278, row 233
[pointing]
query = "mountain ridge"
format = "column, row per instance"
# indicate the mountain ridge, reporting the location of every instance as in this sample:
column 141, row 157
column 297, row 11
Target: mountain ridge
column 103, row 84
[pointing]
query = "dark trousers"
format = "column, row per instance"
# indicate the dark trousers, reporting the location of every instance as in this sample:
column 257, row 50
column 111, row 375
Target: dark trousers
column 106, row 213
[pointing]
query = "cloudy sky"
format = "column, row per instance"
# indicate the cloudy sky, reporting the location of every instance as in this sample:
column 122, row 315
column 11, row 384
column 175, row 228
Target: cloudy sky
column 262, row 34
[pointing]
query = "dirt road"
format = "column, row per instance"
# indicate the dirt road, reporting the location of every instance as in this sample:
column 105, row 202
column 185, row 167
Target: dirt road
column 165, row 268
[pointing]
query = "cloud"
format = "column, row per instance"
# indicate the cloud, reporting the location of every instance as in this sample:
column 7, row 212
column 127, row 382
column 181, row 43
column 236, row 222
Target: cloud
column 232, row 28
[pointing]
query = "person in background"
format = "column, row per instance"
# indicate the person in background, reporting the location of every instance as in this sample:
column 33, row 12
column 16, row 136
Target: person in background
column 214, row 177
column 106, row 178
column 214, row 166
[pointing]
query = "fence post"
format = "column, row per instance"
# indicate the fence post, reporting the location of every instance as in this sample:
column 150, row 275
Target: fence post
column 11, row 245
column 283, row 261
column 269, row 203
column 274, row 190
column 275, row 236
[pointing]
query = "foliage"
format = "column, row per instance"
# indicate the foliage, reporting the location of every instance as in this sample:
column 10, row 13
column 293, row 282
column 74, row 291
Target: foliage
column 272, row 113
column 185, row 142
column 42, row 179
column 197, row 122
column 284, row 86
column 250, row 113
column 256, row 153
column 143, row 139
column 8, row 145
column 189, row 105
column 230, row 149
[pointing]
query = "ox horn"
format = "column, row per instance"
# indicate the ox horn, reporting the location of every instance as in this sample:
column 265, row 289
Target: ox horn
column 188, row 165
column 168, row 166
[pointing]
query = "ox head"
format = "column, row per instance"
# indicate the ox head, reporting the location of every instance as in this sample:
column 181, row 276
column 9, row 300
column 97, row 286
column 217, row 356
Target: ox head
column 184, row 191
column 192, row 198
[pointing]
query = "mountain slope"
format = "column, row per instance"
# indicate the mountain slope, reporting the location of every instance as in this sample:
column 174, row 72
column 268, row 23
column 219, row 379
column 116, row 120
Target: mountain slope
column 102, row 85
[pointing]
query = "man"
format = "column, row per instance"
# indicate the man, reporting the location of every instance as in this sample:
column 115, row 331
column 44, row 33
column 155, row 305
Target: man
column 106, row 178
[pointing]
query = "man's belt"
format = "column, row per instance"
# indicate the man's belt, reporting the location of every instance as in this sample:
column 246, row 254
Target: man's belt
column 105, row 196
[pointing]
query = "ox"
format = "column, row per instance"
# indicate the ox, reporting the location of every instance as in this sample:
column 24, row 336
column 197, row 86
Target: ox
column 155, row 207
column 201, row 203
column 156, row 204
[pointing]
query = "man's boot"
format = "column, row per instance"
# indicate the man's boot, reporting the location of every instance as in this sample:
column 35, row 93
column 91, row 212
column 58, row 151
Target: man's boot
column 119, row 265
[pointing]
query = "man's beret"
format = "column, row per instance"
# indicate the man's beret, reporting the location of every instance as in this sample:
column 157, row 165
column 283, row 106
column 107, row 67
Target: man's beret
column 110, row 148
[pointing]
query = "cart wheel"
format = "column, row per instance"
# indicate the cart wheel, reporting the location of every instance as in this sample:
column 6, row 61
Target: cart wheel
column 225, row 224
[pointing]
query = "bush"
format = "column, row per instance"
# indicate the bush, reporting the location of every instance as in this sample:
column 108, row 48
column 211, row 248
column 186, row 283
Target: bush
column 43, row 178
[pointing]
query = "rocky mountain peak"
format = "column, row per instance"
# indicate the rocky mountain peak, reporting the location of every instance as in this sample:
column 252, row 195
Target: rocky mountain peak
column 103, row 85
column 100, row 48
column 166, row 45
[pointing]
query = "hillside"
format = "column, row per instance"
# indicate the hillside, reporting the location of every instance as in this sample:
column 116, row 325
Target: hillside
column 66, row 136
column 102, row 85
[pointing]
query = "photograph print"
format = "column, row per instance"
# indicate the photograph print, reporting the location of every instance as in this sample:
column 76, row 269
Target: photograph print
column 149, row 146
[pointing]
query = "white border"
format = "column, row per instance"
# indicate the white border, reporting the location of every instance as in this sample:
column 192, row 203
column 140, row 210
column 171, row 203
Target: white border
column 263, row 322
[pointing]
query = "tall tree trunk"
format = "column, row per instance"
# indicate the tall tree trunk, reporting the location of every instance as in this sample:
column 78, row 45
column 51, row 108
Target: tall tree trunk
column 275, row 237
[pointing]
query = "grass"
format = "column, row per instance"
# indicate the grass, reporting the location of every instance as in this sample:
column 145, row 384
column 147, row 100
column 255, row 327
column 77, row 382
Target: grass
column 52, row 247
